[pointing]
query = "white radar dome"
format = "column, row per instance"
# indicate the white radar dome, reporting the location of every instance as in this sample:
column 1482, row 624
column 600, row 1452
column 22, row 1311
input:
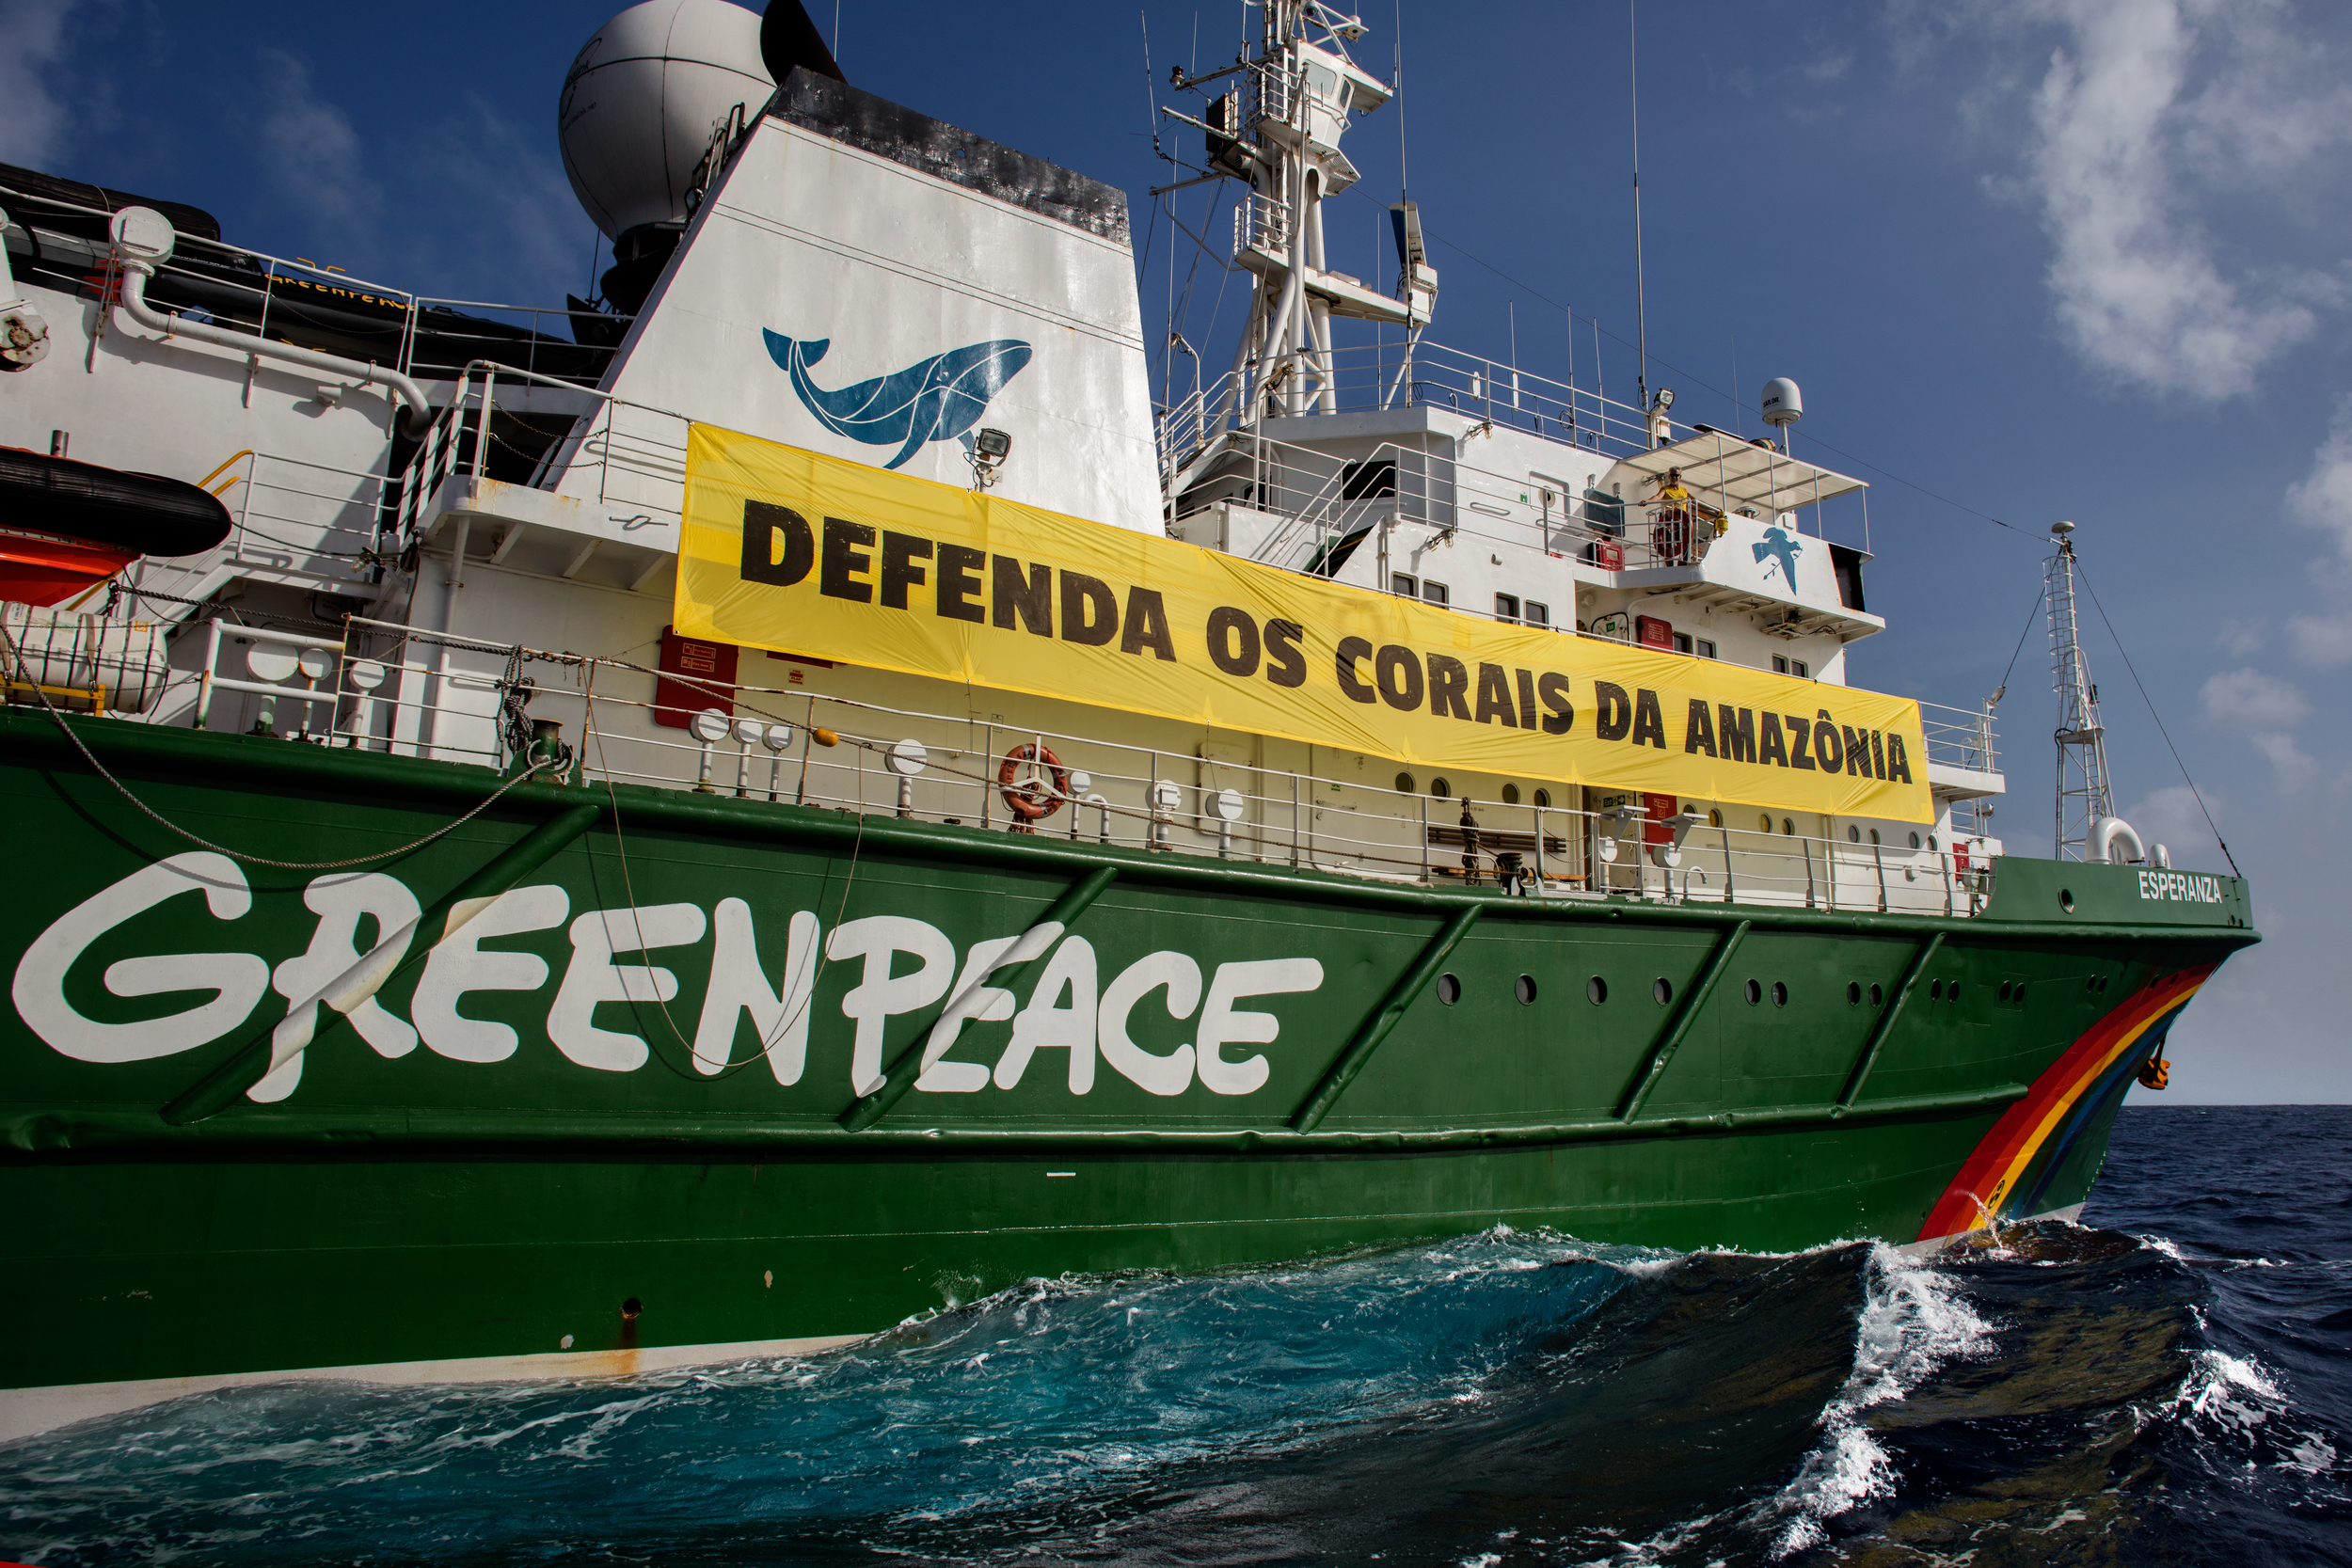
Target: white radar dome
column 1783, row 404
column 640, row 102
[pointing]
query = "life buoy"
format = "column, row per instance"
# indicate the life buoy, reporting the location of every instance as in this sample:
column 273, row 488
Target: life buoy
column 1027, row 800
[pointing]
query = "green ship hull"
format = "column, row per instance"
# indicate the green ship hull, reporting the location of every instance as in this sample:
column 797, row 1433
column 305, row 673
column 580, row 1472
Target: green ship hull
column 616, row 1119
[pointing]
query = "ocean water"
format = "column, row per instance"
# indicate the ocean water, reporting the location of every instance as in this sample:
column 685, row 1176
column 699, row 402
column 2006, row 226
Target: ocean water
column 2171, row 1381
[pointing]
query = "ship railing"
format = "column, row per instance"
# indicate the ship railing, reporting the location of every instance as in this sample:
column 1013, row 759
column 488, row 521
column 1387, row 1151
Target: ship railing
column 318, row 305
column 1961, row 737
column 1403, row 373
column 620, row 452
column 1321, row 508
column 399, row 690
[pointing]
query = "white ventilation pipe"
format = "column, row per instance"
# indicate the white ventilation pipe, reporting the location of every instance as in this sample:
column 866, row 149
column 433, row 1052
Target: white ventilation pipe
column 2108, row 835
column 143, row 239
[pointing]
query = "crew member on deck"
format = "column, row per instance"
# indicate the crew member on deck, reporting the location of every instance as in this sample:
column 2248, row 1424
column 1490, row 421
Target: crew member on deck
column 1470, row 844
column 1670, row 530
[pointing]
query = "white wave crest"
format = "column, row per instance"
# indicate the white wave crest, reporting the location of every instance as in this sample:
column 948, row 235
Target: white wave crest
column 1913, row 1322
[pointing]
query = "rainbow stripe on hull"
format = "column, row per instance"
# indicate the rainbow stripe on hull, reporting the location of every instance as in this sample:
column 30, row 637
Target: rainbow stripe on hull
column 2008, row 1174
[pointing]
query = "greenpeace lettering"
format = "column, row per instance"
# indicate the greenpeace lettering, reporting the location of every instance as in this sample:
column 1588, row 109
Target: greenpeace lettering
column 2181, row 887
column 799, row 553
column 893, row 967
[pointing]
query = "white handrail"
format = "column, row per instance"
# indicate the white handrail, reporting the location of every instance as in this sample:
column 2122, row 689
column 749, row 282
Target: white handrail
column 144, row 237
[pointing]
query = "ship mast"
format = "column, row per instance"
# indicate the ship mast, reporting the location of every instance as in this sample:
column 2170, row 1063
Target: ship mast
column 2083, row 796
column 1279, row 132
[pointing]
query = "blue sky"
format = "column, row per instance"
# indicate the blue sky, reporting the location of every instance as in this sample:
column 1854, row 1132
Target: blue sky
column 2030, row 260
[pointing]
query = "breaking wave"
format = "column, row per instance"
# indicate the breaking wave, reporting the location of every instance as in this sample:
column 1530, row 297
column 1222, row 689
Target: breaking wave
column 2171, row 1391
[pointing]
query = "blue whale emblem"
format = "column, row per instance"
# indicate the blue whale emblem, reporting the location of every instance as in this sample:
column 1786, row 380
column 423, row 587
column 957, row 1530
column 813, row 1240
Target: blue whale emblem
column 939, row 399
column 1779, row 545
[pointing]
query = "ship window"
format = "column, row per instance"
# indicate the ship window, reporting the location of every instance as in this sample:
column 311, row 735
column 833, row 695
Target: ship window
column 1931, row 844
column 1524, row 987
column 1780, row 993
column 1780, row 664
column 1441, row 788
column 1663, row 991
column 2004, row 990
column 1510, row 795
column 1543, row 798
column 2018, row 994
column 1434, row 592
column 1755, row 992
column 1768, row 823
column 1405, row 785
column 1682, row 642
column 1406, row 584
column 1853, row 834
column 1914, row 841
column 1800, row 667
column 1935, row 990
column 1507, row 608
column 1714, row 820
column 1853, row 993
column 1449, row 990
column 1874, row 835
column 1596, row 991
column 1877, row 996
column 1703, row 648
column 1536, row 614
column 1789, row 827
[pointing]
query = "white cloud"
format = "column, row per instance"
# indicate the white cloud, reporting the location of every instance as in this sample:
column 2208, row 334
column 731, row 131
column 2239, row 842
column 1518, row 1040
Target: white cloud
column 2249, row 700
column 2140, row 95
column 2323, row 500
column 2266, row 709
column 2173, row 819
column 313, row 151
column 32, row 42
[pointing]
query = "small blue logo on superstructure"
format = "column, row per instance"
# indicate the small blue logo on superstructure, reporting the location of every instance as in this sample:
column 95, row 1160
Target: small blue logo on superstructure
column 1778, row 547
column 939, row 399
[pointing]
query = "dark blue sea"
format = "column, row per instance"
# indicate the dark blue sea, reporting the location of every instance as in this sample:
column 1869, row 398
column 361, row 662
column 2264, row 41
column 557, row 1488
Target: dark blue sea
column 2168, row 1383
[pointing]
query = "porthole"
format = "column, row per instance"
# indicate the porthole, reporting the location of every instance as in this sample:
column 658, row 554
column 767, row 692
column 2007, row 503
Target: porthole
column 1449, row 990
column 2019, row 993
column 1914, row 841
column 2066, row 899
column 2091, row 984
column 1768, row 823
column 1874, row 836
column 1853, row 834
column 1510, row 795
column 1931, row 844
column 1441, row 788
column 1952, row 991
column 1853, row 993
column 1596, row 991
column 1780, row 994
column 1788, row 825
column 1876, row 996
column 2103, row 982
column 1524, row 987
column 1543, row 800
column 1714, row 820
column 2004, row 990
column 1754, row 991
column 1405, row 785
column 1935, row 990
column 1662, row 991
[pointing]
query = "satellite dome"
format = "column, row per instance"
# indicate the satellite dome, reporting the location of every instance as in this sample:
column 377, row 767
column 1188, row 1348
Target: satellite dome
column 641, row 101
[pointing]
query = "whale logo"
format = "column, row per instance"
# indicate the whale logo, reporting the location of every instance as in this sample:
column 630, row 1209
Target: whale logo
column 938, row 399
column 1778, row 547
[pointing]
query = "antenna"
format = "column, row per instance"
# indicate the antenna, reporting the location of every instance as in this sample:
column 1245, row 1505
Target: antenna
column 1640, row 299
column 2083, row 796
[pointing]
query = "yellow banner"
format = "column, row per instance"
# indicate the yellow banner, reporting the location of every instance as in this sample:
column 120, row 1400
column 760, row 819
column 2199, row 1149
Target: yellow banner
column 799, row 553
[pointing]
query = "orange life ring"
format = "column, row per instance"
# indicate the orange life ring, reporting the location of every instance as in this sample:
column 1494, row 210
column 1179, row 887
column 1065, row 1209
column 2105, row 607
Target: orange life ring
column 1028, row 801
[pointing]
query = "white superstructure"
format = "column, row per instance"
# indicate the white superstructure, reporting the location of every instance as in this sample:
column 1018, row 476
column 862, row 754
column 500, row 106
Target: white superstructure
column 855, row 279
